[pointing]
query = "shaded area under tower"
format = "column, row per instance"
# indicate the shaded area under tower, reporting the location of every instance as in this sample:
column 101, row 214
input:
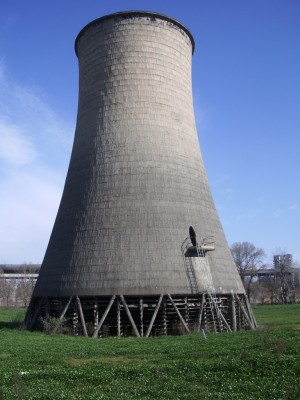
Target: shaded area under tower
column 142, row 316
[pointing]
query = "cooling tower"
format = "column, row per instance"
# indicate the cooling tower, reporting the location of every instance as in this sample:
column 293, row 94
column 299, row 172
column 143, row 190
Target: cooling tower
column 137, row 246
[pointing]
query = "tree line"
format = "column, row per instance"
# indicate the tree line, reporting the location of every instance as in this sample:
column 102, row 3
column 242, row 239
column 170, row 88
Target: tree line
column 263, row 283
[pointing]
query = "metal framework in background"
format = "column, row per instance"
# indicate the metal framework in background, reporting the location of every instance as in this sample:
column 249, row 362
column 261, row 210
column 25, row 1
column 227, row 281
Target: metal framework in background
column 142, row 316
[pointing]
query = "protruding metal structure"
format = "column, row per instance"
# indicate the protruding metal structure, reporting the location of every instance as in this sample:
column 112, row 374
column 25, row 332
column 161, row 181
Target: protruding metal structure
column 118, row 260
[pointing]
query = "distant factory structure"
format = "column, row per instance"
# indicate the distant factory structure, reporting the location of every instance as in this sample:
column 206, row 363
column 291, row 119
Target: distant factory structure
column 19, row 271
column 16, row 283
column 283, row 261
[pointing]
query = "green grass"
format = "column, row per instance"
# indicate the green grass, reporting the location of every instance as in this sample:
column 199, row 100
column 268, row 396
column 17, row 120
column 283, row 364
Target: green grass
column 250, row 365
column 278, row 315
column 11, row 317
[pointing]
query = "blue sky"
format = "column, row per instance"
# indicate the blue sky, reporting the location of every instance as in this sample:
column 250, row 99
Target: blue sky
column 246, row 86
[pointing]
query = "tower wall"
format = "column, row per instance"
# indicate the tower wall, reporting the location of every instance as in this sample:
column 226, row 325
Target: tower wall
column 136, row 179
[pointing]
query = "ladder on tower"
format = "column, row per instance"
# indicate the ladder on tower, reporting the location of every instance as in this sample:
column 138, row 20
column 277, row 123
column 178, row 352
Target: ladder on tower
column 191, row 275
column 217, row 319
column 201, row 252
column 189, row 267
column 213, row 314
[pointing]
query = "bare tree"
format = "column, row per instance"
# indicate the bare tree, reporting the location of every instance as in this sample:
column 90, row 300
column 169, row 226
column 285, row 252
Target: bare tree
column 248, row 260
column 7, row 288
column 271, row 289
column 25, row 285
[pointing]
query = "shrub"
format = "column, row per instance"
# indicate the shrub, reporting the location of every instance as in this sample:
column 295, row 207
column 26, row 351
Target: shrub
column 53, row 325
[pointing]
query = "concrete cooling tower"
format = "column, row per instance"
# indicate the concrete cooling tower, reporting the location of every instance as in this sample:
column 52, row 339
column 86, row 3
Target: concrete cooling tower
column 137, row 247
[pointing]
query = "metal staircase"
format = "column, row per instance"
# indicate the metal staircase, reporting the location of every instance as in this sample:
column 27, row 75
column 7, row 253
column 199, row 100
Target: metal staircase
column 201, row 252
column 213, row 318
column 188, row 262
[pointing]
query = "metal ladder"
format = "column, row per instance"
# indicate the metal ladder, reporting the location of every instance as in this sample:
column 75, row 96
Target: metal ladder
column 211, row 298
column 189, row 267
column 201, row 253
column 216, row 313
column 209, row 285
column 191, row 276
column 213, row 310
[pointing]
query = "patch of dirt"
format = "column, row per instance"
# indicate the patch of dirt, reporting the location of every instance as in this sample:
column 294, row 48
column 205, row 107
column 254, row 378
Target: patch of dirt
column 84, row 361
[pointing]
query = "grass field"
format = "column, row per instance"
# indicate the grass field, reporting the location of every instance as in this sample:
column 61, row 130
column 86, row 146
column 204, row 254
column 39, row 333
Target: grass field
column 262, row 364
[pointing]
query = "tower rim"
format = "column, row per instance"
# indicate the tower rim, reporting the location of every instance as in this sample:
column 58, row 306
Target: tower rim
column 137, row 13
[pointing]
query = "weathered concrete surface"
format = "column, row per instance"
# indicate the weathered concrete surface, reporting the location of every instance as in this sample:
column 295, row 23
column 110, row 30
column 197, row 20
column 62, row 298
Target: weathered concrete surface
column 136, row 179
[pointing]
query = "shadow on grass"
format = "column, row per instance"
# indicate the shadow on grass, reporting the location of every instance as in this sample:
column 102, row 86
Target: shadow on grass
column 16, row 325
column 12, row 319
